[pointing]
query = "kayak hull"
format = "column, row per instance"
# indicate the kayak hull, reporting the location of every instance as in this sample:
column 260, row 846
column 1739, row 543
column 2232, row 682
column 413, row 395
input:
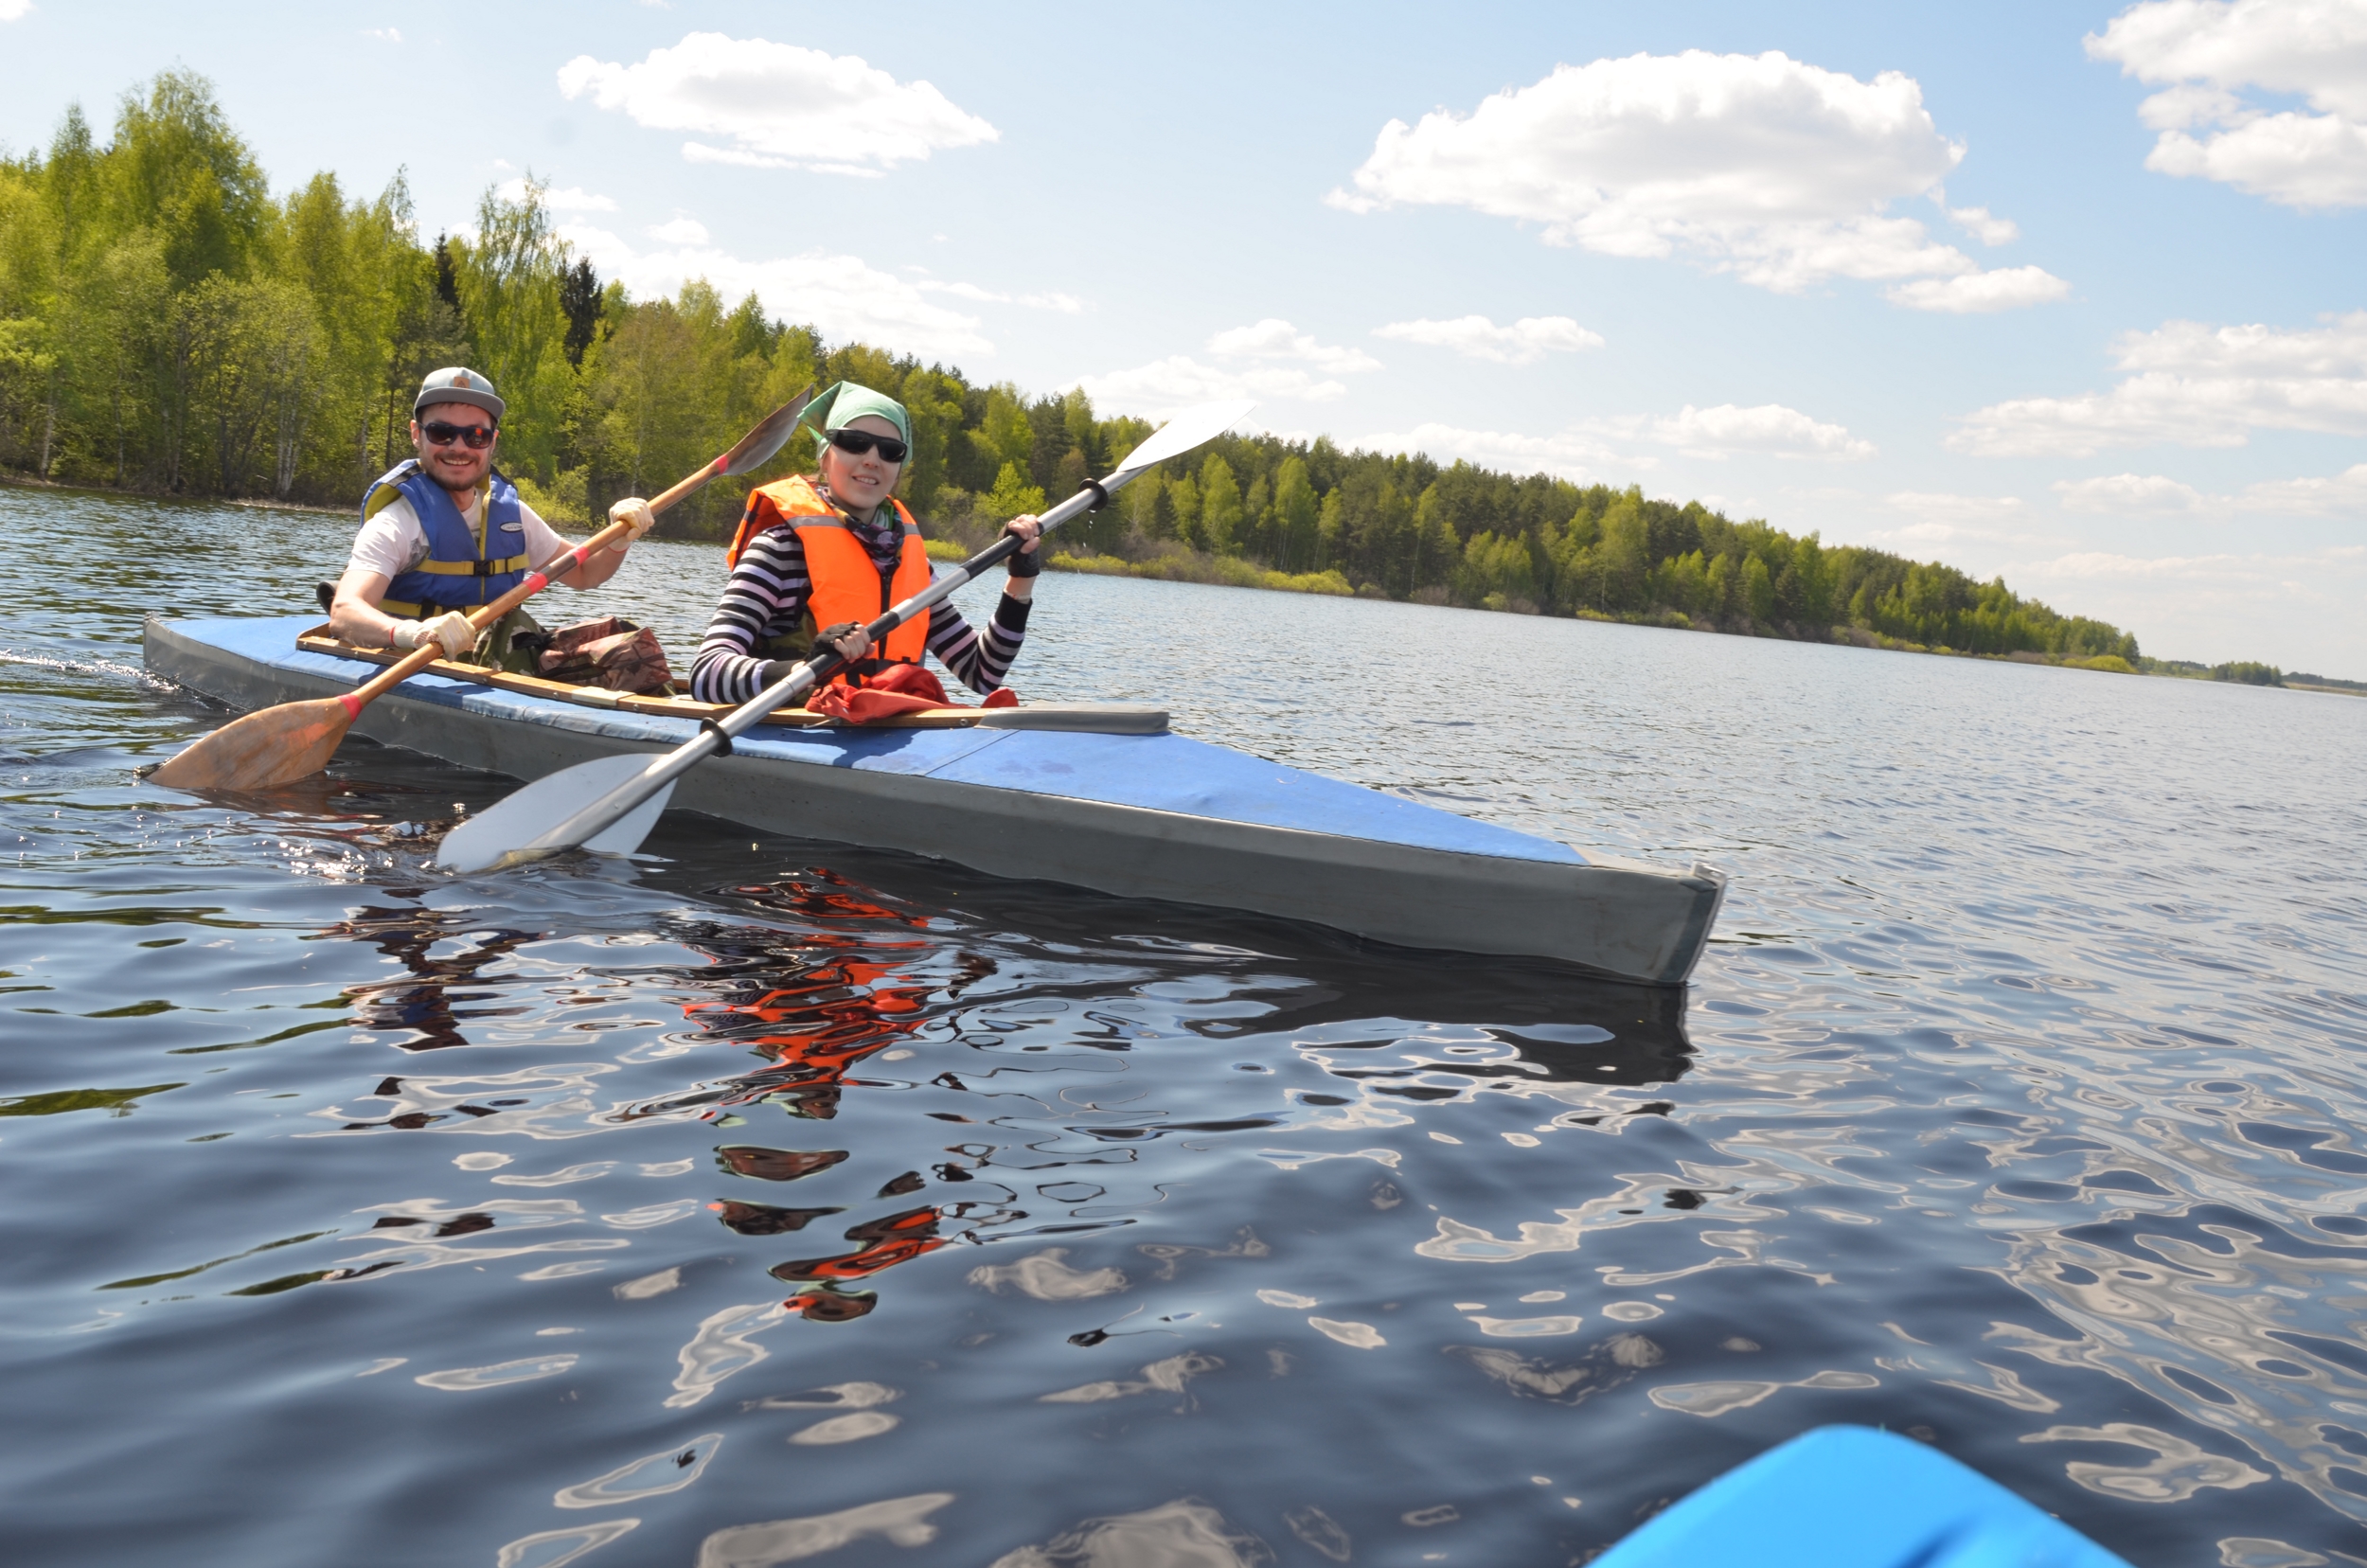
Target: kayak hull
column 1158, row 816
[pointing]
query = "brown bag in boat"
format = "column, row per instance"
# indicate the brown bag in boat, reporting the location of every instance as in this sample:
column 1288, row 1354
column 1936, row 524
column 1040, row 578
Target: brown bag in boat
column 611, row 652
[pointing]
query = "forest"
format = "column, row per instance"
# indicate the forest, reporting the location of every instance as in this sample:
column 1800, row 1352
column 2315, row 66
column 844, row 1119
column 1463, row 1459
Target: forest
column 169, row 325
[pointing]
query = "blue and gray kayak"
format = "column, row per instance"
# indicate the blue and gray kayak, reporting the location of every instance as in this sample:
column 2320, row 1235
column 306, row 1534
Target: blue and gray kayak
column 1851, row 1497
column 1100, row 799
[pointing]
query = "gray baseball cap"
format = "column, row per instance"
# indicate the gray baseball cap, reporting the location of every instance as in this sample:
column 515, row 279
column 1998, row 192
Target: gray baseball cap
column 457, row 383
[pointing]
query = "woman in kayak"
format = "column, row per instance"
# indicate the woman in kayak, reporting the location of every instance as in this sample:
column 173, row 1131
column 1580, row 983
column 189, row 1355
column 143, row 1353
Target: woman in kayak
column 819, row 555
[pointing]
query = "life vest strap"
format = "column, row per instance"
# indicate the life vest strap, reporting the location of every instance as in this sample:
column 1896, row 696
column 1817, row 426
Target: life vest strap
column 474, row 568
column 402, row 608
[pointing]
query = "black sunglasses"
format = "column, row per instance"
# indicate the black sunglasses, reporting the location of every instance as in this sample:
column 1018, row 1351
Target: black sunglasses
column 857, row 442
column 475, row 437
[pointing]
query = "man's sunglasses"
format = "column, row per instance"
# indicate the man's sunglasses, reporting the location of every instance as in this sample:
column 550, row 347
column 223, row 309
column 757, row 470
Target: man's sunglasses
column 475, row 437
column 857, row 442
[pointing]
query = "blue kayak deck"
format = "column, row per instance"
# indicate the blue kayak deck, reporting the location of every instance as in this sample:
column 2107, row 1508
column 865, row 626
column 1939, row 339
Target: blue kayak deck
column 1157, row 772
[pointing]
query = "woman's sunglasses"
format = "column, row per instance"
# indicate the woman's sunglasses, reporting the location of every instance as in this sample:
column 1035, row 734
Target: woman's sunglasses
column 475, row 437
column 856, row 442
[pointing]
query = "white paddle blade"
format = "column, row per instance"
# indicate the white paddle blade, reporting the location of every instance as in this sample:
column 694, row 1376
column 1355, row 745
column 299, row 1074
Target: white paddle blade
column 626, row 834
column 502, row 833
column 1195, row 426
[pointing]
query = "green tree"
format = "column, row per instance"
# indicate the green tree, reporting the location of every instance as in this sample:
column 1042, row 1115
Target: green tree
column 1220, row 511
column 1012, row 496
column 1298, row 513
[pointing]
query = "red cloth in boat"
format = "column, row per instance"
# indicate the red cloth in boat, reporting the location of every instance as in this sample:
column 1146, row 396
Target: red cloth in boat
column 896, row 691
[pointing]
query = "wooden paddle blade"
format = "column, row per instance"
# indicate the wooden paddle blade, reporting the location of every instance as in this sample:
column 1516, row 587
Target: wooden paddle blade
column 499, row 835
column 277, row 745
column 758, row 445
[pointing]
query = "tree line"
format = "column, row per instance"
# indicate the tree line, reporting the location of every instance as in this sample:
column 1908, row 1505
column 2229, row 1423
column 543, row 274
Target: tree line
column 167, row 325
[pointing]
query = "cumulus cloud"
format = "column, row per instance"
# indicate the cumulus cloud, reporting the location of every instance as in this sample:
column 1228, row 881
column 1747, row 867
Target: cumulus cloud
column 1272, row 360
column 681, row 231
column 11, row 10
column 2195, row 385
column 1524, row 342
column 2140, row 494
column 1776, row 170
column 778, row 105
column 1044, row 300
column 1571, row 455
column 2340, row 495
column 1274, row 339
column 2209, row 50
column 1770, row 430
column 1591, row 447
column 571, row 199
column 843, row 295
column 2003, row 289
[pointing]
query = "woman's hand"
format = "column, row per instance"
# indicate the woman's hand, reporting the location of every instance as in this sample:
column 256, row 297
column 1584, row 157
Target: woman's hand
column 848, row 637
column 1026, row 562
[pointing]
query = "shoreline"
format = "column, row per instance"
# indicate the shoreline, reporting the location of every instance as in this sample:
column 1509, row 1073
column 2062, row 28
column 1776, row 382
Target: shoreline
column 1233, row 572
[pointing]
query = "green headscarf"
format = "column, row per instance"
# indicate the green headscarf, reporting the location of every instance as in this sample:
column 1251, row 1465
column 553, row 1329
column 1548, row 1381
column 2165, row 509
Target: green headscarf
column 843, row 403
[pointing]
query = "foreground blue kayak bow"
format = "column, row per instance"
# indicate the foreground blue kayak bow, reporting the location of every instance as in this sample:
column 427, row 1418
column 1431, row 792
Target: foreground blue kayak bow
column 1851, row 1497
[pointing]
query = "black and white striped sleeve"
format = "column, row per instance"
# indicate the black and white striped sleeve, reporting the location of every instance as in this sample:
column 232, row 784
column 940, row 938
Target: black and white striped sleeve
column 979, row 663
column 764, row 598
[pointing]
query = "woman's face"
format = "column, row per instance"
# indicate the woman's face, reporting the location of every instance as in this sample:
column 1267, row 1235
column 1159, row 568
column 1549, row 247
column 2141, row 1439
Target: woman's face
column 861, row 483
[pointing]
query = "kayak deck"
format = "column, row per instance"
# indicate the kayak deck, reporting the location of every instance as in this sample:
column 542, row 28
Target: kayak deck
column 1156, row 815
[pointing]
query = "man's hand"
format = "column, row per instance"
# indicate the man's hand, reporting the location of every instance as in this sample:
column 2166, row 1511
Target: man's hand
column 636, row 512
column 451, row 629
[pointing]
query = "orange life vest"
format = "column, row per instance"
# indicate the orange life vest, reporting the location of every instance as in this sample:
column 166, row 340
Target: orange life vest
column 847, row 584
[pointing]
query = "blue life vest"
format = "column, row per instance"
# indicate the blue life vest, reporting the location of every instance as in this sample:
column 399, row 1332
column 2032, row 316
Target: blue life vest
column 464, row 567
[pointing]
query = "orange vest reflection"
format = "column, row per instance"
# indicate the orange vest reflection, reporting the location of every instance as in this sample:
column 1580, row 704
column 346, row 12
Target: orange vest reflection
column 836, row 1015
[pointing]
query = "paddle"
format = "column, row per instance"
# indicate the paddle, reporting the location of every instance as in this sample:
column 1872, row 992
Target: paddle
column 279, row 745
column 610, row 804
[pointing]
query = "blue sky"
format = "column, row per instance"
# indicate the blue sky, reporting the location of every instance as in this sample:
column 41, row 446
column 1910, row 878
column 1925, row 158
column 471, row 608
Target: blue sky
column 2070, row 294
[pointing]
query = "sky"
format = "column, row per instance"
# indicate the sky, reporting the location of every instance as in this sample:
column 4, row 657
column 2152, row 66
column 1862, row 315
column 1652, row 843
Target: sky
column 2073, row 294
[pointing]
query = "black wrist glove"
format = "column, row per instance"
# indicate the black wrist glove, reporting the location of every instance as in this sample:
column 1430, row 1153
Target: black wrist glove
column 1023, row 563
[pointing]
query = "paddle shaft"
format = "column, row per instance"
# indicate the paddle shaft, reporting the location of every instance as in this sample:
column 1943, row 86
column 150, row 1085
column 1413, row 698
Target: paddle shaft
column 716, row 734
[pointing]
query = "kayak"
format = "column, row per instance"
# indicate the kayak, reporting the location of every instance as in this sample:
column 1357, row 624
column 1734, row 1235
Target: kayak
column 1047, row 793
column 1851, row 1497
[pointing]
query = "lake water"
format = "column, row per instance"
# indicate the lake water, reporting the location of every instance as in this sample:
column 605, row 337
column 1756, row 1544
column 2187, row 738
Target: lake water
column 358, row 1213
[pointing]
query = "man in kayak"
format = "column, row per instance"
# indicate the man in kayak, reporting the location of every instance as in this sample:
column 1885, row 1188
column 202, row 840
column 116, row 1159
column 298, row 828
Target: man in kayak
column 819, row 555
column 444, row 532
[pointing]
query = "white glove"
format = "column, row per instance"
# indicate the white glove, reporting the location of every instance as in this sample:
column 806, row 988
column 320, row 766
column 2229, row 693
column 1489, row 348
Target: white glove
column 636, row 513
column 451, row 629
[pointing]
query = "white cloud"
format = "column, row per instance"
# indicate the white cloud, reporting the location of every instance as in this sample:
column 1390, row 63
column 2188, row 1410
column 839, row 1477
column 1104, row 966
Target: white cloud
column 1978, row 221
column 571, row 199
column 1064, row 303
column 1180, row 381
column 843, row 295
column 1770, row 430
column 2209, row 50
column 384, row 35
column 2340, row 495
column 1524, row 342
column 2197, row 385
column 681, row 231
column 1273, row 339
column 2141, row 494
column 2003, row 289
column 778, row 105
column 1572, row 455
column 1764, row 167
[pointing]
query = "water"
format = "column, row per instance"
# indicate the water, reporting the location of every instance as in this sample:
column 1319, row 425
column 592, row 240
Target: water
column 360, row 1213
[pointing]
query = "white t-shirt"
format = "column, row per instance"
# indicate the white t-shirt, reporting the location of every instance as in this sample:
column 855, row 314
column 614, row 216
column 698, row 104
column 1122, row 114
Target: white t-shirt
column 393, row 543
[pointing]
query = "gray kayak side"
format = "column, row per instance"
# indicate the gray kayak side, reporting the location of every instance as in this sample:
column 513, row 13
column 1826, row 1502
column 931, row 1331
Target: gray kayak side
column 1522, row 896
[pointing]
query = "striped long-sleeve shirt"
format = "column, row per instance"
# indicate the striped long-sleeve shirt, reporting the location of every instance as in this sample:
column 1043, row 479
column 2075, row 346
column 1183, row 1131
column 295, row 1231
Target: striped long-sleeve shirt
column 766, row 598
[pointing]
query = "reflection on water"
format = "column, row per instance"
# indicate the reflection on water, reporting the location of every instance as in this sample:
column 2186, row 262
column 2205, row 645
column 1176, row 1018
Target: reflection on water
column 768, row 1201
